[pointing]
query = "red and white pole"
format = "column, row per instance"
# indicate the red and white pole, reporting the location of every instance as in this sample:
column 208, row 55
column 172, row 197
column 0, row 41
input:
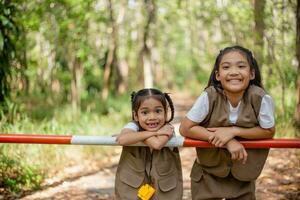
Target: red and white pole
column 177, row 141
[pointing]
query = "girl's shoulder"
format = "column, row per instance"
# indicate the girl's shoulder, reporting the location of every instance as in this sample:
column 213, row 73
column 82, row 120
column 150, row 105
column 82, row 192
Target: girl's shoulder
column 256, row 91
column 214, row 93
column 210, row 89
column 132, row 125
column 257, row 96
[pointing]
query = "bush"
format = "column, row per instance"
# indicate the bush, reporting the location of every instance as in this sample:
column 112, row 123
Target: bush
column 16, row 176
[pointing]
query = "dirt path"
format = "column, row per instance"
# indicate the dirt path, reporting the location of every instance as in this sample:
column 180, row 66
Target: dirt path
column 279, row 180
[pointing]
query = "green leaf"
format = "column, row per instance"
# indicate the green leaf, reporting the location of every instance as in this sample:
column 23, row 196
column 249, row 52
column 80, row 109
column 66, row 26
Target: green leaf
column 1, row 42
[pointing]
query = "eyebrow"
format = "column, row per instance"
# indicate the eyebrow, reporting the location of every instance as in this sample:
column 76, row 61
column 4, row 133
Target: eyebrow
column 146, row 108
column 239, row 62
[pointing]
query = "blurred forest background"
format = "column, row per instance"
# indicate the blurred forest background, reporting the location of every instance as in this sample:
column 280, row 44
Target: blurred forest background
column 68, row 67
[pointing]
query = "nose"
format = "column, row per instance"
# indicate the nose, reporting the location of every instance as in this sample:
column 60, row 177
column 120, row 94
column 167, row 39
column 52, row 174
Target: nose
column 152, row 115
column 233, row 71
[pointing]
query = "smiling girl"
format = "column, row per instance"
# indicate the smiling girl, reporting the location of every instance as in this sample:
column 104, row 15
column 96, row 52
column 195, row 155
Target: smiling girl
column 154, row 164
column 234, row 105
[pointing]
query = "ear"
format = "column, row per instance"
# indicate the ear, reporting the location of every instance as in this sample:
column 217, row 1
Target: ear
column 252, row 75
column 135, row 116
column 217, row 75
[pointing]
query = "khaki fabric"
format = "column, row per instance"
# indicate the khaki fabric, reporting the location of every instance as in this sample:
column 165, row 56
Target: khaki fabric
column 131, row 172
column 208, row 186
column 166, row 174
column 160, row 168
column 218, row 161
column 214, row 175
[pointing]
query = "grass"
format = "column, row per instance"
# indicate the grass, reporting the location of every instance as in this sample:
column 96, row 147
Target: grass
column 29, row 164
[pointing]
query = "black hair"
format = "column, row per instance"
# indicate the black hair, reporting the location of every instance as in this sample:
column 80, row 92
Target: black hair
column 250, row 58
column 138, row 97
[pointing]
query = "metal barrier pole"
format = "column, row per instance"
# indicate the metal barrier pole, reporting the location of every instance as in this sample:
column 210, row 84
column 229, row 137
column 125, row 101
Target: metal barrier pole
column 176, row 141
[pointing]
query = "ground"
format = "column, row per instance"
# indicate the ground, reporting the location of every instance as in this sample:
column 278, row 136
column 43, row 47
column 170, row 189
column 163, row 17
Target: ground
column 280, row 178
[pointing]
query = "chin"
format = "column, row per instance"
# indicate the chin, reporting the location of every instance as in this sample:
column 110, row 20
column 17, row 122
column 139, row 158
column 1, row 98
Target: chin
column 237, row 89
column 153, row 129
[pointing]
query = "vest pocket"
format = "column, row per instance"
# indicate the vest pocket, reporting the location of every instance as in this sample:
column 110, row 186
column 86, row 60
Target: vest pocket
column 253, row 167
column 196, row 173
column 165, row 168
column 132, row 179
column 167, row 183
column 209, row 157
column 136, row 164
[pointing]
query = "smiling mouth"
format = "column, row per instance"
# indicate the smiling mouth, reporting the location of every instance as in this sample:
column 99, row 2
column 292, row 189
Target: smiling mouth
column 152, row 125
column 234, row 81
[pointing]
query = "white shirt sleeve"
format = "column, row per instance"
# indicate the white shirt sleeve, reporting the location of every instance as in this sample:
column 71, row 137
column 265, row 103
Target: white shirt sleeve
column 266, row 113
column 132, row 126
column 200, row 109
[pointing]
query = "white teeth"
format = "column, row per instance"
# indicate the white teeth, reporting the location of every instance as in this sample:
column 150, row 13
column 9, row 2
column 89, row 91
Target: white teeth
column 235, row 81
column 152, row 125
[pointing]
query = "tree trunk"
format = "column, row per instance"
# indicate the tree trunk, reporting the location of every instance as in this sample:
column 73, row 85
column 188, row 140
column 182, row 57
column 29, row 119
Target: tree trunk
column 122, row 65
column 145, row 60
column 123, row 81
column 297, row 110
column 107, row 71
column 77, row 72
column 23, row 60
column 148, row 73
column 259, row 7
column 111, row 60
column 272, row 57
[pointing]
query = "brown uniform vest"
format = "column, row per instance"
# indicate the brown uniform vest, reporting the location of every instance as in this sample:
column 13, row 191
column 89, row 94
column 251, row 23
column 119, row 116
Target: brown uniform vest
column 161, row 168
column 218, row 161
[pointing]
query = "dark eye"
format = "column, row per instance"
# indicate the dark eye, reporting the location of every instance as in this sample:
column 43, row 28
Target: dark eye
column 225, row 67
column 144, row 112
column 242, row 66
column 159, row 111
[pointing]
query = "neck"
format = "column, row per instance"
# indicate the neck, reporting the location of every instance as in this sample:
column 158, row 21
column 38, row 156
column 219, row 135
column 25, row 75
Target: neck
column 234, row 98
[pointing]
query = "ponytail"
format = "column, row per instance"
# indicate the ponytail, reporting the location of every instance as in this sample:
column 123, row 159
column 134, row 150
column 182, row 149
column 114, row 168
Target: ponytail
column 170, row 102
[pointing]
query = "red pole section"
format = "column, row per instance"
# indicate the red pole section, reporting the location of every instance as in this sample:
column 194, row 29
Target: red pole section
column 177, row 141
column 35, row 139
column 250, row 144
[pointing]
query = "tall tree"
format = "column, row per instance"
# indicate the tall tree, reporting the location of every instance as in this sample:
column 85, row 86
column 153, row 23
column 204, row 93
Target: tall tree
column 259, row 15
column 111, row 59
column 145, row 53
column 8, row 34
column 122, row 68
column 297, row 110
column 78, row 23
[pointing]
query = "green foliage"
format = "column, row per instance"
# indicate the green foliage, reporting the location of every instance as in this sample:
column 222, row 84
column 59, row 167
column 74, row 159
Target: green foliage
column 23, row 175
column 17, row 176
column 8, row 35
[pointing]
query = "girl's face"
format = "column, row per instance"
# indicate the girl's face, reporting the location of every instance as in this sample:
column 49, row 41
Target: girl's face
column 151, row 115
column 234, row 73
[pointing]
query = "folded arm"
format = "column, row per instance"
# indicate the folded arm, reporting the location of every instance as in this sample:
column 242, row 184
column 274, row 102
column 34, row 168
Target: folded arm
column 221, row 135
column 162, row 137
column 129, row 136
column 153, row 139
column 192, row 130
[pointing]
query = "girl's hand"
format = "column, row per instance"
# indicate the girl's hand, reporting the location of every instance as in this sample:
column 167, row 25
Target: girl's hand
column 220, row 136
column 167, row 130
column 237, row 150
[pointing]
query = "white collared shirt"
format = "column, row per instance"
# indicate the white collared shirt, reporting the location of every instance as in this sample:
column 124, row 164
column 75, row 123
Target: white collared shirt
column 265, row 118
